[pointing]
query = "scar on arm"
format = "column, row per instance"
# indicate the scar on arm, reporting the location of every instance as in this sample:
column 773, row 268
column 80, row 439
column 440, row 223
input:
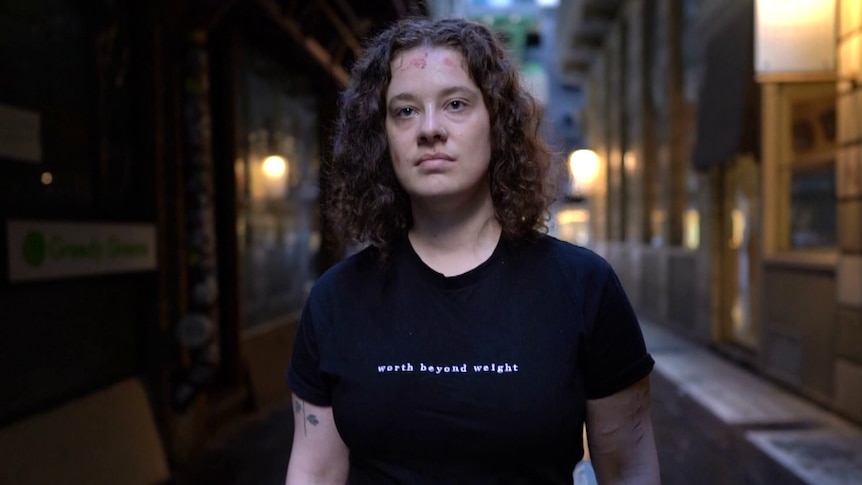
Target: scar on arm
column 298, row 408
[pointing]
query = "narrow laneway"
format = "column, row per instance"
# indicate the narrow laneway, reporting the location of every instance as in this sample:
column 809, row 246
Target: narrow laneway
column 696, row 444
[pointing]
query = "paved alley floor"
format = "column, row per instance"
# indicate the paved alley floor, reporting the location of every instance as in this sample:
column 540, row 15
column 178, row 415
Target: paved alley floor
column 254, row 453
column 715, row 423
column 815, row 446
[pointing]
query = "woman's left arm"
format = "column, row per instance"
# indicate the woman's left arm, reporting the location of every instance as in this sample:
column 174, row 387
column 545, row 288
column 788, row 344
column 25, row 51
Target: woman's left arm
column 620, row 437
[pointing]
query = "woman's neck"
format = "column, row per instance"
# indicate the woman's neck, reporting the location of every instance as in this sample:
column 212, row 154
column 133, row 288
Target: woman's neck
column 454, row 242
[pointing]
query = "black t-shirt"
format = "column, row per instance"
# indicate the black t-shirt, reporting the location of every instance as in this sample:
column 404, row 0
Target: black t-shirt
column 480, row 378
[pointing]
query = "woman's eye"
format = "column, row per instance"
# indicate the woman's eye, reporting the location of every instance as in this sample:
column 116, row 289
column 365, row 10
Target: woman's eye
column 404, row 112
column 457, row 105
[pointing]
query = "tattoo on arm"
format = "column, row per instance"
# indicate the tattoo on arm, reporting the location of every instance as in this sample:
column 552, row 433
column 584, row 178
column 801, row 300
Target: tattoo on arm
column 298, row 407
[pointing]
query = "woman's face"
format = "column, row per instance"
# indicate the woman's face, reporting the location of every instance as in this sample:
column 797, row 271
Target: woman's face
column 437, row 126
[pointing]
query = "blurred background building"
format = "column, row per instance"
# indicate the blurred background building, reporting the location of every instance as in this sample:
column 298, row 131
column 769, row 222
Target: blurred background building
column 160, row 171
column 729, row 182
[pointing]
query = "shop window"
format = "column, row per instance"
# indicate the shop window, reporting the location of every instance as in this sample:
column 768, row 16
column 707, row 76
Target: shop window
column 277, row 185
column 808, row 175
column 812, row 208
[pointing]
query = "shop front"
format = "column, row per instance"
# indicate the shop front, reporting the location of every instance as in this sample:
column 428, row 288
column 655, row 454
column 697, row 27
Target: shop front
column 160, row 178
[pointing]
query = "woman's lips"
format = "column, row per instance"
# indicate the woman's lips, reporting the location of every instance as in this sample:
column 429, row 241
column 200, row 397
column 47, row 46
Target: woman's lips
column 436, row 158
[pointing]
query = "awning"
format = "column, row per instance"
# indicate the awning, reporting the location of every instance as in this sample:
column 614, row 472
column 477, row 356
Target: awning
column 728, row 109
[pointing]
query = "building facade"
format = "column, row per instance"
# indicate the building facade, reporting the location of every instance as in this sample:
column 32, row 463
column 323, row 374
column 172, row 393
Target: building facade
column 730, row 199
column 159, row 183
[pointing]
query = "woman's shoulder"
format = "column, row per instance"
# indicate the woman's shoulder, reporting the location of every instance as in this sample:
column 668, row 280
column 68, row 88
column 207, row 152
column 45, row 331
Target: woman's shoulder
column 568, row 254
column 562, row 266
column 358, row 265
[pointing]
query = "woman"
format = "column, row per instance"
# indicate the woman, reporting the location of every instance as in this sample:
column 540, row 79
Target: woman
column 463, row 345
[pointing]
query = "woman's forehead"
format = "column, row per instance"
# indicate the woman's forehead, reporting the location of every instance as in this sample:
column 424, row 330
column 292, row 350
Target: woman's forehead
column 428, row 68
column 417, row 57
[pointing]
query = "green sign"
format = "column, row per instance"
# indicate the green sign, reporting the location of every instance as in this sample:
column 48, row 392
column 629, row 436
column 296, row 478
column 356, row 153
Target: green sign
column 33, row 248
column 48, row 250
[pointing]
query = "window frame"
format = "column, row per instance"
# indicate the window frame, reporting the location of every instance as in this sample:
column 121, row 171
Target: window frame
column 778, row 167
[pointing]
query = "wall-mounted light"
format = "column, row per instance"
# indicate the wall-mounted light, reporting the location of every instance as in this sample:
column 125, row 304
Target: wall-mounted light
column 271, row 183
column 275, row 167
column 795, row 37
column 584, row 169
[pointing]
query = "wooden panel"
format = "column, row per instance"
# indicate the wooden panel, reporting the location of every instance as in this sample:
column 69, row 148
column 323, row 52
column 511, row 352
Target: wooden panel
column 799, row 306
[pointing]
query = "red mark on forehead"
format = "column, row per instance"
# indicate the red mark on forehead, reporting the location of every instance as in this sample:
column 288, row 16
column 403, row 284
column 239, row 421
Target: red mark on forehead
column 418, row 63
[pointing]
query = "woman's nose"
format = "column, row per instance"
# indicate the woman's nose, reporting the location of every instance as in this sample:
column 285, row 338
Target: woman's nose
column 432, row 130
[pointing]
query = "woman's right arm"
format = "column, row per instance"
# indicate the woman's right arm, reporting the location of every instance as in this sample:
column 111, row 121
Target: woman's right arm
column 319, row 456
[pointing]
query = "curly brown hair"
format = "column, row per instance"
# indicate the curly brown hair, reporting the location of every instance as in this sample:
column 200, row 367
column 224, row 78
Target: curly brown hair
column 364, row 202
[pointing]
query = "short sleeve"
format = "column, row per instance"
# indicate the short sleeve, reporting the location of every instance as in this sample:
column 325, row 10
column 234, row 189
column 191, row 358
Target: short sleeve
column 304, row 375
column 614, row 355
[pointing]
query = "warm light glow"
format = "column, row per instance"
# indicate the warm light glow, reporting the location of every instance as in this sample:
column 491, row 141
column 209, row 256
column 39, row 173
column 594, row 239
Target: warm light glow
column 573, row 225
column 737, row 228
column 850, row 16
column 630, row 162
column 584, row 168
column 691, row 229
column 274, row 166
column 784, row 10
column 792, row 13
column 47, row 178
column 572, row 216
column 795, row 36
